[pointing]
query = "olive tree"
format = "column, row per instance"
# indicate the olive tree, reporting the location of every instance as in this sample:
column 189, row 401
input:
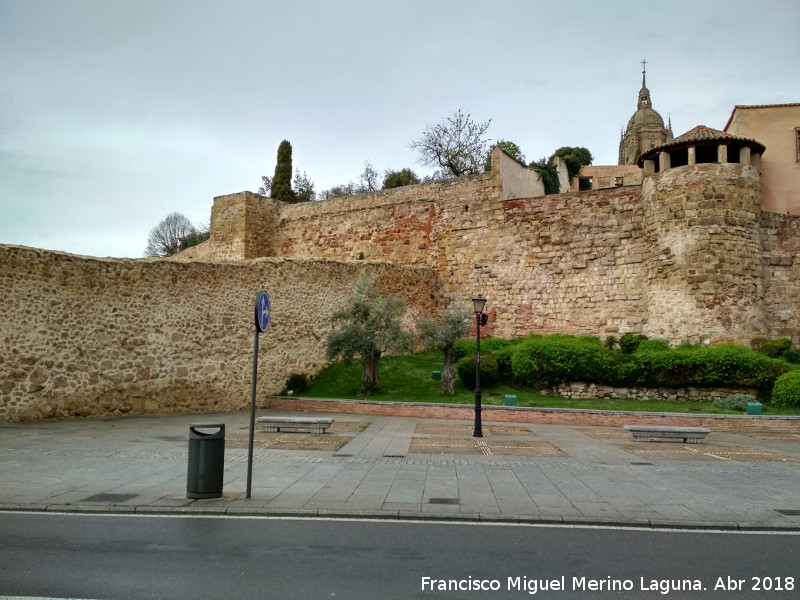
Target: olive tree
column 368, row 327
column 442, row 335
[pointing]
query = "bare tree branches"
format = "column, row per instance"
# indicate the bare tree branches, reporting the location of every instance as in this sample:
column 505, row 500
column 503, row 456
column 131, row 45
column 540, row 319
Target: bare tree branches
column 456, row 145
column 167, row 237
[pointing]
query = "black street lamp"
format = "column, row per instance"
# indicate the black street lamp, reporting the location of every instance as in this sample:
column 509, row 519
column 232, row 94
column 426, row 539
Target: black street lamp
column 478, row 304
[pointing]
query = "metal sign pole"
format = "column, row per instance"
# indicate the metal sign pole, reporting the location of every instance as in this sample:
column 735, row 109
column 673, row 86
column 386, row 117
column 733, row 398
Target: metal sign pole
column 252, row 415
column 262, row 314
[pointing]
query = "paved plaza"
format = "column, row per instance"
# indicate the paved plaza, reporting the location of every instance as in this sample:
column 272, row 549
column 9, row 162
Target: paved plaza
column 369, row 466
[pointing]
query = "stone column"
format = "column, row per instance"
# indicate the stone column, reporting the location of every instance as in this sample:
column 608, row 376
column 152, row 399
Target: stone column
column 722, row 153
column 649, row 167
column 663, row 161
column 744, row 155
column 755, row 160
column 692, row 155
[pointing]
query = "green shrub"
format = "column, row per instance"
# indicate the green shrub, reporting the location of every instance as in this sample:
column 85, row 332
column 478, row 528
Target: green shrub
column 652, row 346
column 297, row 383
column 464, row 348
column 545, row 362
column 793, row 356
column 786, row 391
column 772, row 348
column 490, row 371
column 611, row 343
column 734, row 402
column 723, row 366
column 629, row 342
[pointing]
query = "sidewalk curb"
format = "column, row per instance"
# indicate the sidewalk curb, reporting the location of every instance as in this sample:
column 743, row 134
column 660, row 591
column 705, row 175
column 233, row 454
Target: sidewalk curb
column 468, row 518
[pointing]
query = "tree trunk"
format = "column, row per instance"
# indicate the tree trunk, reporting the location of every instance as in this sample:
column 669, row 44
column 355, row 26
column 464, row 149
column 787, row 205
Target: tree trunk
column 370, row 384
column 448, row 371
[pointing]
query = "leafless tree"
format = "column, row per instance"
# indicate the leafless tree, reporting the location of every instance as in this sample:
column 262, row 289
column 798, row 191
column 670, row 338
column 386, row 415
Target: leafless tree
column 457, row 145
column 167, row 237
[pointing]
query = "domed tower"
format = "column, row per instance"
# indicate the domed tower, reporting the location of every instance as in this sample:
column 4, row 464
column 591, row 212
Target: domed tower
column 645, row 128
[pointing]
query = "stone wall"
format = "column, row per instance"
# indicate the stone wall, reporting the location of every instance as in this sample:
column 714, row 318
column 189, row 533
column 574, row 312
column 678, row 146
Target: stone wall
column 780, row 238
column 568, row 263
column 685, row 257
column 85, row 336
column 703, row 268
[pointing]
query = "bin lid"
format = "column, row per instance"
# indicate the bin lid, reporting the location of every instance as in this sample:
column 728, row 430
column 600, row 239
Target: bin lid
column 193, row 433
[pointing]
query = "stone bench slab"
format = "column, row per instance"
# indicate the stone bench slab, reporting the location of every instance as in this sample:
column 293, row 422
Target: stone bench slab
column 646, row 433
column 312, row 424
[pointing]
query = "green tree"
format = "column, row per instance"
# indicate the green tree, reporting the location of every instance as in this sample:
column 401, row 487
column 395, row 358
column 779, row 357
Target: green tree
column 442, row 336
column 574, row 157
column 396, row 179
column 166, row 238
column 281, row 184
column 547, row 171
column 302, row 187
column 509, row 148
column 456, row 145
column 369, row 326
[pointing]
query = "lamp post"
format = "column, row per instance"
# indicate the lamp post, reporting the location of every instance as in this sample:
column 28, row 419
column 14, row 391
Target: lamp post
column 478, row 304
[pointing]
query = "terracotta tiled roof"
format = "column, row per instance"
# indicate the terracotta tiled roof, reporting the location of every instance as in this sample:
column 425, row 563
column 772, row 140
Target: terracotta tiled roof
column 702, row 135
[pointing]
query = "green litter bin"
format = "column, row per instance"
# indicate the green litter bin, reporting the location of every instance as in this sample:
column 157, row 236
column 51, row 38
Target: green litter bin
column 436, row 375
column 206, row 460
column 754, row 408
column 511, row 400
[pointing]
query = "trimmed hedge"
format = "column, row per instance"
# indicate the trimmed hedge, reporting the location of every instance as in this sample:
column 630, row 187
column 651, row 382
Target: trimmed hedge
column 786, row 391
column 490, row 372
column 546, row 362
column 539, row 362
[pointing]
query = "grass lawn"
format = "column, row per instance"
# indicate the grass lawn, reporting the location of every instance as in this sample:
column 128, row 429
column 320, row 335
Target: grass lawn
column 408, row 379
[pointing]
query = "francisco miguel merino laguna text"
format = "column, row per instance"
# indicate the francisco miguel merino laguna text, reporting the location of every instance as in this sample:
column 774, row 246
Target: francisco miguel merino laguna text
column 533, row 586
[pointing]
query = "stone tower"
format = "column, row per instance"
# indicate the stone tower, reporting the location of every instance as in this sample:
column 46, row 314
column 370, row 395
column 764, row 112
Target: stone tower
column 645, row 128
column 702, row 216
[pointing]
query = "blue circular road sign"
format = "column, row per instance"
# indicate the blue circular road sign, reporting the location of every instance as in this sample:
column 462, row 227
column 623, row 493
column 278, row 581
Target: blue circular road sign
column 262, row 311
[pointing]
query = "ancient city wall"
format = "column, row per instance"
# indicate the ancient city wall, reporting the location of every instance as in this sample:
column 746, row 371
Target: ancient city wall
column 86, row 336
column 692, row 259
column 780, row 258
column 568, row 263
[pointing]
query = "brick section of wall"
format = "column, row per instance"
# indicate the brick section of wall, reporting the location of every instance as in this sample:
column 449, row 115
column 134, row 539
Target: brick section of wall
column 780, row 235
column 83, row 336
column 404, row 225
column 544, row 416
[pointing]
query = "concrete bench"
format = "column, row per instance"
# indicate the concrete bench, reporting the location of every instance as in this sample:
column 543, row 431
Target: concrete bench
column 312, row 424
column 646, row 433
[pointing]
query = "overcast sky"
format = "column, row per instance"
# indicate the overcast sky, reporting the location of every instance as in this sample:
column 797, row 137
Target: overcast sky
column 114, row 113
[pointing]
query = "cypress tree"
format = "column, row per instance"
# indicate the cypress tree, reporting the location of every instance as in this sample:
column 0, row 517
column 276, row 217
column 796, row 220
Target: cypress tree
column 282, row 181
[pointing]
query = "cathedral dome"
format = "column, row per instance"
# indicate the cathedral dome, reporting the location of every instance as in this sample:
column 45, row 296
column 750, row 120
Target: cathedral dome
column 645, row 117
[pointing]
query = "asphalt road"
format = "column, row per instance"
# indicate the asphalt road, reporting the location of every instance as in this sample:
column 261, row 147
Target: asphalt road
column 113, row 557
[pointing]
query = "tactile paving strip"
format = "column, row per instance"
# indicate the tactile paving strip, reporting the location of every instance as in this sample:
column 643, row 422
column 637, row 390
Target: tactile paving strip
column 290, row 441
column 672, row 451
column 483, row 446
column 606, row 433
